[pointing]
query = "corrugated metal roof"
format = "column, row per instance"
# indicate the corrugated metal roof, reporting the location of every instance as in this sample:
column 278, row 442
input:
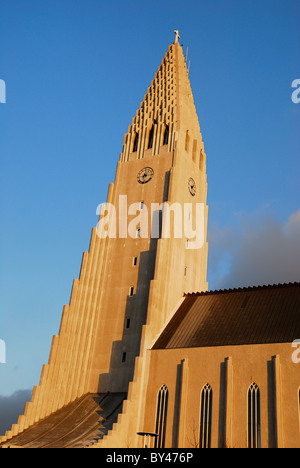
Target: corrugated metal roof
column 263, row 314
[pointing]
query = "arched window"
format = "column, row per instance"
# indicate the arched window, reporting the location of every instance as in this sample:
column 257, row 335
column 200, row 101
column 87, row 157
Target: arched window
column 161, row 416
column 151, row 134
column 205, row 417
column 166, row 135
column 254, row 440
column 135, row 143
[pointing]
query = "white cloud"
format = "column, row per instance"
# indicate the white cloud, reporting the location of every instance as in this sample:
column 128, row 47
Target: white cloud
column 260, row 251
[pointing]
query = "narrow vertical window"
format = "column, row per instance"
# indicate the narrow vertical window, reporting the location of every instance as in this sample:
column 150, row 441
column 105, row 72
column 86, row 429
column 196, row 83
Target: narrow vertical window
column 201, row 160
column 135, row 143
column 187, row 141
column 150, row 140
column 131, row 290
column 254, row 440
column 123, row 356
column 161, row 416
column 134, row 261
column 194, row 150
column 205, row 417
column 166, row 135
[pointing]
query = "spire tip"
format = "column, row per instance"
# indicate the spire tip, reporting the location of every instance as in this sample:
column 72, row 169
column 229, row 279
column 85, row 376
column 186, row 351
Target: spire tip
column 176, row 35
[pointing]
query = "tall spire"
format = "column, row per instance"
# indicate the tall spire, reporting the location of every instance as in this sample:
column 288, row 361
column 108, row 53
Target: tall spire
column 166, row 110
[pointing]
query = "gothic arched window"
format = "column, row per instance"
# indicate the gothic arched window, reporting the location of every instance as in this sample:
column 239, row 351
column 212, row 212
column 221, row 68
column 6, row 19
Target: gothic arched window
column 205, row 417
column 161, row 416
column 254, row 416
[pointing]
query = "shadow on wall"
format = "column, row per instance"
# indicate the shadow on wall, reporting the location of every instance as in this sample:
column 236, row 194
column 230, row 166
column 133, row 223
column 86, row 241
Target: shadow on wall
column 122, row 362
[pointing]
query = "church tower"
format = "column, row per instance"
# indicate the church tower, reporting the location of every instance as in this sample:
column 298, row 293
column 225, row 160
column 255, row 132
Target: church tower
column 148, row 249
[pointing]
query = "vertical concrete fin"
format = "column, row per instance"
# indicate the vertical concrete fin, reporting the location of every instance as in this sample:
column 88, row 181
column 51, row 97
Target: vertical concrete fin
column 278, row 400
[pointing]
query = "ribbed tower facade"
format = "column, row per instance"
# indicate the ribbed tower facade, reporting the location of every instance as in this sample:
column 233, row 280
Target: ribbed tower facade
column 142, row 258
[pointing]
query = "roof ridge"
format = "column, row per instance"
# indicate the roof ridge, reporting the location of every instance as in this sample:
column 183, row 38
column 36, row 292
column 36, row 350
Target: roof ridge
column 243, row 289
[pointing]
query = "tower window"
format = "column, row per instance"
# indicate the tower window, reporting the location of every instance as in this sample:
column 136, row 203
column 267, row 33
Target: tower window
column 123, row 356
column 135, row 142
column 161, row 416
column 194, row 150
column 127, row 323
column 187, row 141
column 201, row 161
column 134, row 261
column 151, row 134
column 205, row 417
column 131, row 291
column 254, row 417
column 166, row 135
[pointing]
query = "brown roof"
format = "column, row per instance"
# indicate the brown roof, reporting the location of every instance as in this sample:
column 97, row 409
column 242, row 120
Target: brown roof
column 266, row 314
column 79, row 424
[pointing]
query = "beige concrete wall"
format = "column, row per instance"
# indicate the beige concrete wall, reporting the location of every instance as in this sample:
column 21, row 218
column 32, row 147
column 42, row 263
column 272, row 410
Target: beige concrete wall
column 247, row 364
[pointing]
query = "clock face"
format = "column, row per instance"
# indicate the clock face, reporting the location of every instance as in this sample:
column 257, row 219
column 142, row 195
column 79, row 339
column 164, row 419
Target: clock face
column 192, row 186
column 145, row 175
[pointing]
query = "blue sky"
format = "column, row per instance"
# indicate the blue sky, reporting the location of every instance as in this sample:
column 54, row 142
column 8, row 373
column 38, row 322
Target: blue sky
column 75, row 73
